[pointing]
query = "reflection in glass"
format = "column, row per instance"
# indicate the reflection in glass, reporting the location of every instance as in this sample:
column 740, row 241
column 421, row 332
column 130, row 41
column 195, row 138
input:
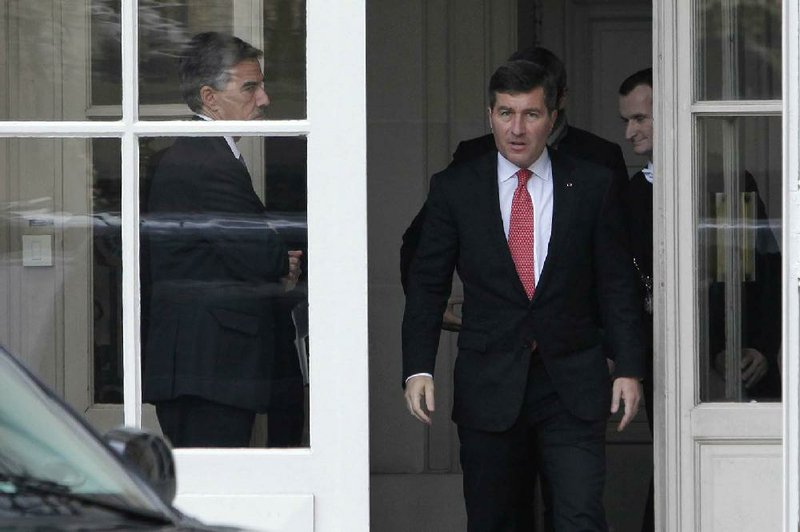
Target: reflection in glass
column 107, row 271
column 166, row 27
column 60, row 258
column 224, row 317
column 740, row 49
column 47, row 51
column 739, row 270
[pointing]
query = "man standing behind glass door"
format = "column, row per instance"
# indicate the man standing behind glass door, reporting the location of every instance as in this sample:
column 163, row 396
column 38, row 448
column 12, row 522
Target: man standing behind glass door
column 216, row 266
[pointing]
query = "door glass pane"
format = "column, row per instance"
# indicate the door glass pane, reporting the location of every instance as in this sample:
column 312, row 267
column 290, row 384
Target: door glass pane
column 224, row 327
column 739, row 43
column 739, row 253
column 275, row 27
column 49, row 69
column 60, row 265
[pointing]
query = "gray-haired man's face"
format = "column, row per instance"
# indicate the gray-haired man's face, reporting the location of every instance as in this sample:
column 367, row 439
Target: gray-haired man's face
column 243, row 98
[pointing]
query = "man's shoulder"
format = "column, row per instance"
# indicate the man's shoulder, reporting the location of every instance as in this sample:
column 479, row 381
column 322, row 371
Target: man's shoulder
column 470, row 168
column 639, row 182
column 576, row 134
column 584, row 144
column 566, row 162
column 474, row 148
column 195, row 151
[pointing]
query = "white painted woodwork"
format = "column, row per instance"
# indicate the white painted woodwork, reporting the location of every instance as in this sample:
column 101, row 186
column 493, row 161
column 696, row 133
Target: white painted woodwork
column 791, row 250
column 710, row 458
column 737, row 488
column 282, row 490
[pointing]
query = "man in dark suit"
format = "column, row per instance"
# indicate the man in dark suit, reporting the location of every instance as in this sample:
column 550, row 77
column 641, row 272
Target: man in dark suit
column 758, row 358
column 218, row 270
column 567, row 139
column 538, row 241
column 636, row 111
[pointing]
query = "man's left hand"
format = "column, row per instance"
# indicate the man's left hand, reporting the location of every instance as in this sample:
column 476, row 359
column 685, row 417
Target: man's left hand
column 629, row 390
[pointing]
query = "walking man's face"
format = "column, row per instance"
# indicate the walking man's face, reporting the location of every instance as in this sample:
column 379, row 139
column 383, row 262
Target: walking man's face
column 636, row 110
column 243, row 98
column 520, row 124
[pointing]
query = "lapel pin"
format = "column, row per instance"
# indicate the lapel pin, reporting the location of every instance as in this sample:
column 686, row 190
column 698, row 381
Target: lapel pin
column 569, row 185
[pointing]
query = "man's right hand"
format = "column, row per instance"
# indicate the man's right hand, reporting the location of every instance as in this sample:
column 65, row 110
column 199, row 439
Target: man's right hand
column 420, row 388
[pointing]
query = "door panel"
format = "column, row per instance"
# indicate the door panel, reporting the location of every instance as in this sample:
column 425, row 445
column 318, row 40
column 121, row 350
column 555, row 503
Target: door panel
column 734, row 476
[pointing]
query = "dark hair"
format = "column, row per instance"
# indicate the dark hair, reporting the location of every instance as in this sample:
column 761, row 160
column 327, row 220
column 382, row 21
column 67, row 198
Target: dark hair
column 548, row 61
column 517, row 77
column 643, row 77
column 207, row 59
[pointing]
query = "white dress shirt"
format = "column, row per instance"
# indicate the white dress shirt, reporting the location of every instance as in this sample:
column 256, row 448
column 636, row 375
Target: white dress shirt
column 648, row 172
column 540, row 187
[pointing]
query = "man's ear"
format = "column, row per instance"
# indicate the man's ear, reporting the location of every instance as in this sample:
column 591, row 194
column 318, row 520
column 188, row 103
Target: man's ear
column 562, row 102
column 489, row 115
column 553, row 118
column 209, row 97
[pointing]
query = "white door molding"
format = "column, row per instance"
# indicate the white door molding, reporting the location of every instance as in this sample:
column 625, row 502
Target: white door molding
column 791, row 250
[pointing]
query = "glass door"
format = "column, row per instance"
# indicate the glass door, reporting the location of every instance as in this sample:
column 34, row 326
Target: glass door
column 720, row 350
column 144, row 266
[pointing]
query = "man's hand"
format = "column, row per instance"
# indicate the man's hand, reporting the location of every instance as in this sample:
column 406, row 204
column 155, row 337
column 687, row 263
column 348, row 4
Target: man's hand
column 754, row 365
column 629, row 390
column 417, row 388
column 452, row 321
column 290, row 280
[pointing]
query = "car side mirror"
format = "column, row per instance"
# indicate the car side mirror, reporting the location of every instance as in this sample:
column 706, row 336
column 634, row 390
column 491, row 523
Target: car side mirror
column 149, row 455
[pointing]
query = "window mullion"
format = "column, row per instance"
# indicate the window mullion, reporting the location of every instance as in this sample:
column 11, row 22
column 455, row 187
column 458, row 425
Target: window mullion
column 131, row 339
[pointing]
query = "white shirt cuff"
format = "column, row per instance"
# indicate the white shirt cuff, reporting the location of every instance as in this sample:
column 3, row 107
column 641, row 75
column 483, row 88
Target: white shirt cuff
column 418, row 375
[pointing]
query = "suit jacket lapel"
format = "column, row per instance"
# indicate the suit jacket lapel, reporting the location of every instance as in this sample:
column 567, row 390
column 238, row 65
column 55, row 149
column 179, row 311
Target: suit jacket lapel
column 563, row 203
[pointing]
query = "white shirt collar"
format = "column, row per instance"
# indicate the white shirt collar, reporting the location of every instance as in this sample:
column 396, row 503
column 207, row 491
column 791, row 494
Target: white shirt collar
column 229, row 140
column 648, row 171
column 540, row 167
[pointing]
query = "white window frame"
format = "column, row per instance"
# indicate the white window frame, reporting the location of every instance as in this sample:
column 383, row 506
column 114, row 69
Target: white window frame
column 791, row 246
column 677, row 412
column 335, row 469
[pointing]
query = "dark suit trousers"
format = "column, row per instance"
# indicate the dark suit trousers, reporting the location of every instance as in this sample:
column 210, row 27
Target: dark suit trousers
column 499, row 471
column 190, row 421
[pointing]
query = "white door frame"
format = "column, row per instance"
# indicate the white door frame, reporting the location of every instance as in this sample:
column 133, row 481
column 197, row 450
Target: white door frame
column 325, row 487
column 683, row 428
column 791, row 277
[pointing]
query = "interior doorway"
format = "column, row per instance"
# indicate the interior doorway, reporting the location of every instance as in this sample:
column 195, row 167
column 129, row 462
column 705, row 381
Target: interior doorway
column 428, row 68
column 602, row 43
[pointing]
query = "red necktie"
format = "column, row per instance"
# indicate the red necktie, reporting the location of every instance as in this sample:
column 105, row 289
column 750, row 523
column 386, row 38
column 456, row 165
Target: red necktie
column 520, row 233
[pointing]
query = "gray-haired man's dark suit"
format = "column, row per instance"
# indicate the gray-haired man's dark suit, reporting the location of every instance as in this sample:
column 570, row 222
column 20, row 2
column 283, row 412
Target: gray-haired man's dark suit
column 215, row 268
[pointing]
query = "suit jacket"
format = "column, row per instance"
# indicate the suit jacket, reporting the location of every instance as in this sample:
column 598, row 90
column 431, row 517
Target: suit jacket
column 215, row 269
column 638, row 207
column 575, row 142
column 587, row 286
column 638, row 204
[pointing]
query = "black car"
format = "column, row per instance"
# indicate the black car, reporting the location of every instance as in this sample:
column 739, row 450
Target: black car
column 57, row 473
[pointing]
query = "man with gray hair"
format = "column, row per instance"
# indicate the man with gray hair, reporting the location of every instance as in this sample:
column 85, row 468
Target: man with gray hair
column 217, row 268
